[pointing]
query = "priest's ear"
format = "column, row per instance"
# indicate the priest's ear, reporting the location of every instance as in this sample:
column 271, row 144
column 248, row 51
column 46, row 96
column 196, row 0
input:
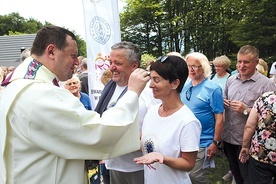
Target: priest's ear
column 50, row 50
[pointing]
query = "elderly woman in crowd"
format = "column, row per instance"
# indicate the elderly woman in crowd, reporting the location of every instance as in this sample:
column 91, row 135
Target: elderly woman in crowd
column 222, row 73
column 74, row 86
column 205, row 99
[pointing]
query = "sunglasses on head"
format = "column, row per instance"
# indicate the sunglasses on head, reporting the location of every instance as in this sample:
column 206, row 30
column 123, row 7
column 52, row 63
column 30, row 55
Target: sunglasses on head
column 162, row 59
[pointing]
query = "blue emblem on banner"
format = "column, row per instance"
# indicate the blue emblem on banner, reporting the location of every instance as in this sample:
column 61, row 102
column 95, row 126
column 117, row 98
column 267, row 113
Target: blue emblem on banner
column 100, row 30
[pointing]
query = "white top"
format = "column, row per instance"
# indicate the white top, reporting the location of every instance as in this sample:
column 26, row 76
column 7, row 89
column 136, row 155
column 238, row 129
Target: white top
column 125, row 163
column 46, row 133
column 117, row 92
column 273, row 69
column 169, row 136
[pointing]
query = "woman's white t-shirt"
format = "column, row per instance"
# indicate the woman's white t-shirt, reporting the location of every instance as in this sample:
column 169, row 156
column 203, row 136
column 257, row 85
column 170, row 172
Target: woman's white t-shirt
column 179, row 132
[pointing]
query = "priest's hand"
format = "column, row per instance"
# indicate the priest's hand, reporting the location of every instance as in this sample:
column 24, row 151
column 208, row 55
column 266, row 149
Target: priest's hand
column 137, row 80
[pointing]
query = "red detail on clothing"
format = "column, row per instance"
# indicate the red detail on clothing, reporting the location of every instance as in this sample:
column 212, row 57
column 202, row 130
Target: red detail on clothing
column 55, row 82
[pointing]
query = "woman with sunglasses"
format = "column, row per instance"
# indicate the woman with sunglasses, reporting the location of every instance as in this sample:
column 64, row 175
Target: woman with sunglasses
column 170, row 132
column 205, row 99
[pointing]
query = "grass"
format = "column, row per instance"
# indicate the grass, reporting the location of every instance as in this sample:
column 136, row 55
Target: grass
column 222, row 167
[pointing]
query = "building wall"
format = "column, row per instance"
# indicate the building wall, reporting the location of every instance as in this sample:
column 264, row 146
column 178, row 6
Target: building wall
column 10, row 48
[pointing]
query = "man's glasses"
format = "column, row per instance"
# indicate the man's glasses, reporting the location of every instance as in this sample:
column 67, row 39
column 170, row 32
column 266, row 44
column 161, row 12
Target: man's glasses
column 189, row 93
column 194, row 67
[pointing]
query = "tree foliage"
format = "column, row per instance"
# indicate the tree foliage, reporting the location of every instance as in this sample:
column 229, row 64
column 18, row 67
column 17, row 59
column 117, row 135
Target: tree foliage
column 213, row 27
column 15, row 24
column 145, row 59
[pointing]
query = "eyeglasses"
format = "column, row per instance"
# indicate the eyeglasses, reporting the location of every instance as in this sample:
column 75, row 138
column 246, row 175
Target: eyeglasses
column 189, row 93
column 72, row 83
column 194, row 67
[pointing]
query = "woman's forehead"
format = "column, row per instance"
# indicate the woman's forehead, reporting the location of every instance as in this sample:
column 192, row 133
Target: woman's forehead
column 71, row 80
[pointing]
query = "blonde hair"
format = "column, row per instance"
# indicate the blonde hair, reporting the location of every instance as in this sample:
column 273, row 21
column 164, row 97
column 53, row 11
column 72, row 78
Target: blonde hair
column 223, row 61
column 260, row 69
column 106, row 76
column 263, row 63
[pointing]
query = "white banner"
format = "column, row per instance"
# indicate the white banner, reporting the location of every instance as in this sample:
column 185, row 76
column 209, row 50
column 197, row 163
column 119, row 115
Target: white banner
column 102, row 30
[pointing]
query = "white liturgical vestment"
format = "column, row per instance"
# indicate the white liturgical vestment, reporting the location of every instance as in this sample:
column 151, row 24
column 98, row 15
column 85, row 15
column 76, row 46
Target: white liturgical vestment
column 46, row 133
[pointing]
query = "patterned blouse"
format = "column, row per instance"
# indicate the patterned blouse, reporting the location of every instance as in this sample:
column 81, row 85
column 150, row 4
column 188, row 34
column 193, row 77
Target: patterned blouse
column 263, row 145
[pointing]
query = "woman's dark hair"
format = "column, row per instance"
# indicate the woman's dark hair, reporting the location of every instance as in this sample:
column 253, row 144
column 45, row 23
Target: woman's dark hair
column 50, row 35
column 171, row 68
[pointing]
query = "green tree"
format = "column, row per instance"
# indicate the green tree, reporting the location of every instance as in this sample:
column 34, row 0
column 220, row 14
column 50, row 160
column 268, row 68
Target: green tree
column 139, row 25
column 213, row 27
column 145, row 59
column 81, row 46
column 257, row 26
column 12, row 22
column 15, row 24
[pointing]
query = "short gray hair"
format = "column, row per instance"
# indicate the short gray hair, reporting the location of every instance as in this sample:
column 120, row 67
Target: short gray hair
column 133, row 53
column 25, row 54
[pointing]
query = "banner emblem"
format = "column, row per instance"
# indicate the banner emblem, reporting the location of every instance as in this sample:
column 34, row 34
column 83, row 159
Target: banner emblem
column 100, row 30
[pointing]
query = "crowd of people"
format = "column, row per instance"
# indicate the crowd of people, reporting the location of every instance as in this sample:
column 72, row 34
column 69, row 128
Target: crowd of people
column 162, row 124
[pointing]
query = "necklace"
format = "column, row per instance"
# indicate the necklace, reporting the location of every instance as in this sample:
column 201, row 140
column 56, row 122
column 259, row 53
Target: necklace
column 165, row 113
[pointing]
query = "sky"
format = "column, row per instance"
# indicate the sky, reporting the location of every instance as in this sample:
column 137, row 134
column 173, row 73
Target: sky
column 64, row 13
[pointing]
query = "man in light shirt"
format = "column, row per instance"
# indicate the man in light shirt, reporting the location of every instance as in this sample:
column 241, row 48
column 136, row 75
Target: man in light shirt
column 46, row 133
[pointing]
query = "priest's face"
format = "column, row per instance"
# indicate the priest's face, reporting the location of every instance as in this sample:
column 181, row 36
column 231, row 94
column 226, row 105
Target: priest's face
column 67, row 60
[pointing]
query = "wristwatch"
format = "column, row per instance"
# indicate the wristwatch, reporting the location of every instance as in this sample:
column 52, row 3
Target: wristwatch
column 245, row 112
column 217, row 143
